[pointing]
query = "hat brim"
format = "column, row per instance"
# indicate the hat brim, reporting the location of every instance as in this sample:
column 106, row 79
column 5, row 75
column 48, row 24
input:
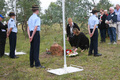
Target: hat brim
column 2, row 17
column 34, row 8
column 12, row 15
column 95, row 12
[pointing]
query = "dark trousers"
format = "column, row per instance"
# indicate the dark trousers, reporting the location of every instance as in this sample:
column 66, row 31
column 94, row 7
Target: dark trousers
column 94, row 42
column 2, row 46
column 112, row 34
column 12, row 42
column 103, row 34
column 34, row 49
column 72, row 41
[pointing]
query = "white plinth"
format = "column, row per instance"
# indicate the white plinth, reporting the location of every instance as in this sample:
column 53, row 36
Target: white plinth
column 16, row 53
column 62, row 71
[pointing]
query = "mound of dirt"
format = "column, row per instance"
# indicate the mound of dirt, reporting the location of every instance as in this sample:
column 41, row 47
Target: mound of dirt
column 56, row 49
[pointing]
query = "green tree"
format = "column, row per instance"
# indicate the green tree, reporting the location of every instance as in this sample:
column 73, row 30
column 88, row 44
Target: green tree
column 76, row 9
column 2, row 7
column 103, row 4
column 52, row 15
column 24, row 11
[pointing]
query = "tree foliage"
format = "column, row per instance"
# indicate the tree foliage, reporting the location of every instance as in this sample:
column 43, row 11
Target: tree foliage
column 2, row 7
column 76, row 9
column 24, row 11
column 103, row 4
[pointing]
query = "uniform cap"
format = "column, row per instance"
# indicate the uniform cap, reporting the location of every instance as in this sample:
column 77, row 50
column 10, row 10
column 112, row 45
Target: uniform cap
column 1, row 16
column 35, row 7
column 94, row 11
column 12, row 14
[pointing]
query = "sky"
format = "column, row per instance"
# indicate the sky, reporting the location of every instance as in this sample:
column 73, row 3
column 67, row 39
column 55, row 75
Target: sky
column 46, row 3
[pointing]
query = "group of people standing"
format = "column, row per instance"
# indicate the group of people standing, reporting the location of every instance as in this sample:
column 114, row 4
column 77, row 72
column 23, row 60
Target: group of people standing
column 106, row 22
column 10, row 30
column 110, row 23
column 75, row 37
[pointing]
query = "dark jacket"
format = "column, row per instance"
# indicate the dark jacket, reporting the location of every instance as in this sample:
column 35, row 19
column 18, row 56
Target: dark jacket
column 68, row 29
column 3, row 34
column 103, row 24
column 82, row 41
column 112, row 17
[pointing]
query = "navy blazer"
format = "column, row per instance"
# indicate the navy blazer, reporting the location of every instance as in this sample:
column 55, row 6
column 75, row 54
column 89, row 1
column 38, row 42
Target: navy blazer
column 3, row 34
column 112, row 17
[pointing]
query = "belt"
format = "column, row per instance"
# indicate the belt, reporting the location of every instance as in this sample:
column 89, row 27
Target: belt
column 92, row 29
column 36, row 31
column 14, row 32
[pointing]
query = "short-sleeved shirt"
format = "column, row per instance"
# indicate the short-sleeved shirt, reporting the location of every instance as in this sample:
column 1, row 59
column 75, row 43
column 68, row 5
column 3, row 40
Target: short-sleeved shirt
column 12, row 24
column 92, row 21
column 34, row 21
column 118, row 14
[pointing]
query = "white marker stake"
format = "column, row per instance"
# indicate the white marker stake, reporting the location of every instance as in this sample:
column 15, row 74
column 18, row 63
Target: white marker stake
column 63, row 9
column 66, row 69
column 15, row 10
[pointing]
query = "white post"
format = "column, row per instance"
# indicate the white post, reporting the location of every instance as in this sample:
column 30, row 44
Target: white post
column 15, row 16
column 15, row 10
column 63, row 9
column 66, row 69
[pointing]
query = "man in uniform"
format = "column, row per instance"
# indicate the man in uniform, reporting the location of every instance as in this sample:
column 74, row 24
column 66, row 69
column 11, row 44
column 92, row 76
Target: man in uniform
column 12, row 34
column 34, row 24
column 2, row 36
column 93, row 32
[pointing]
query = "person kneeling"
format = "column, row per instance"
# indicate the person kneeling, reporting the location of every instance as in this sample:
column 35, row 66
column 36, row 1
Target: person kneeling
column 70, row 36
column 81, row 40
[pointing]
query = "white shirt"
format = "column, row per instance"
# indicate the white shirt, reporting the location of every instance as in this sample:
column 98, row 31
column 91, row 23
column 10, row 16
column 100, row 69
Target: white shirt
column 71, row 28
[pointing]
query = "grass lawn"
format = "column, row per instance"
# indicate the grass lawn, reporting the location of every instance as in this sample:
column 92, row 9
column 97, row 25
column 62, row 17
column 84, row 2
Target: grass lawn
column 106, row 67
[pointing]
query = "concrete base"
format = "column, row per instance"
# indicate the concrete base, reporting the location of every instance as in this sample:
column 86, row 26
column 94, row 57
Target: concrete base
column 16, row 53
column 62, row 71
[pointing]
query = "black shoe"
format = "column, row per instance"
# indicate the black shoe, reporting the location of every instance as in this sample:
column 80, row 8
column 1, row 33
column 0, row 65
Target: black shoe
column 97, row 55
column 0, row 56
column 90, row 54
column 14, row 57
column 31, row 66
column 40, row 67
column 101, row 41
